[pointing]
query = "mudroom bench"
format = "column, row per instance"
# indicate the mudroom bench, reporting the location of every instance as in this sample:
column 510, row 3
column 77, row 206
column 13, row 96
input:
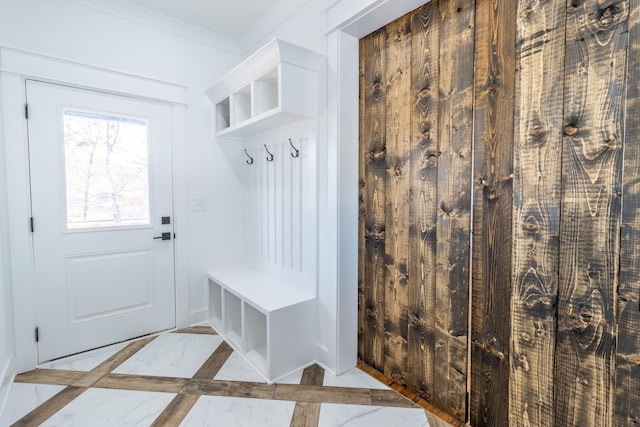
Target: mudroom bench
column 266, row 320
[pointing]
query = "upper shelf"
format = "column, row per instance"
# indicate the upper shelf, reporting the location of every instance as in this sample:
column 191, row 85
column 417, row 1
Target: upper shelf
column 276, row 85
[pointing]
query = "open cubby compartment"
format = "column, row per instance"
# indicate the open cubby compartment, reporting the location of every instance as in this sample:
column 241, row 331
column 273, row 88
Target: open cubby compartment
column 256, row 337
column 241, row 105
column 266, row 92
column 277, row 85
column 215, row 306
column 223, row 115
column 233, row 319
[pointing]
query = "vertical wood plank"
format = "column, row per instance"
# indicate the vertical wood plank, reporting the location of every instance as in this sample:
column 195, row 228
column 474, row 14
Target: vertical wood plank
column 425, row 50
column 374, row 147
column 627, row 408
column 590, row 220
column 493, row 203
column 397, row 157
column 537, row 191
column 362, row 207
column 454, row 204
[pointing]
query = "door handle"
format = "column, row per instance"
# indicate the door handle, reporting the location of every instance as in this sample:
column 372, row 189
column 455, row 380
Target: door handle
column 165, row 236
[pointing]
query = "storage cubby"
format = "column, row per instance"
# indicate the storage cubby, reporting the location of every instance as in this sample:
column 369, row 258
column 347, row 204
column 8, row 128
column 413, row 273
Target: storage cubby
column 223, row 115
column 276, row 85
column 268, row 322
column 265, row 93
column 256, row 336
column 241, row 106
column 233, row 318
column 215, row 304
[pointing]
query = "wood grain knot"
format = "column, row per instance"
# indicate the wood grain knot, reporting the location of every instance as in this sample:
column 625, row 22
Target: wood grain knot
column 537, row 131
column 526, row 12
column 606, row 17
column 531, row 224
column 570, row 130
column 433, row 159
column 374, row 235
column 424, row 93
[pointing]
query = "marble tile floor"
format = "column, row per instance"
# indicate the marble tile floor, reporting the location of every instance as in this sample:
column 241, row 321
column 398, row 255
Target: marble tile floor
column 191, row 377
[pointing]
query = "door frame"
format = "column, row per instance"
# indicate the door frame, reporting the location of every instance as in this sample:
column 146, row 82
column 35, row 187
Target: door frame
column 347, row 22
column 17, row 66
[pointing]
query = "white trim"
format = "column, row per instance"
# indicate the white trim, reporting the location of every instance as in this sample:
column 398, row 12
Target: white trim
column 347, row 189
column 18, row 183
column 6, row 381
column 18, row 190
column 180, row 213
column 65, row 71
column 199, row 316
column 361, row 17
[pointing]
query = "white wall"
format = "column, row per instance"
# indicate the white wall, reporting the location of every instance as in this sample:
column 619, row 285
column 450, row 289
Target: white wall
column 87, row 32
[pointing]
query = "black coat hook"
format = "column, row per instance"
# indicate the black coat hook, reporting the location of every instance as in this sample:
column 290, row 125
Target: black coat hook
column 297, row 152
column 250, row 161
column 270, row 156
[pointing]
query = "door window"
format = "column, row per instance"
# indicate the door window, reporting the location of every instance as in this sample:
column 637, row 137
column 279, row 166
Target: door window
column 106, row 170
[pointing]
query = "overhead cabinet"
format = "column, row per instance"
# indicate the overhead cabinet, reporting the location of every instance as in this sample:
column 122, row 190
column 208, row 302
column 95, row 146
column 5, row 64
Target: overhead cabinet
column 275, row 86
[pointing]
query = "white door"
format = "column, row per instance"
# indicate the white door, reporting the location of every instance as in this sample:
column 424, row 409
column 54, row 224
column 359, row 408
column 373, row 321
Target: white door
column 101, row 188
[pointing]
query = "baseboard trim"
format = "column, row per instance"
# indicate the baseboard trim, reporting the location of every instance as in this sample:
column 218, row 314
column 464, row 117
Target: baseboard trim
column 5, row 384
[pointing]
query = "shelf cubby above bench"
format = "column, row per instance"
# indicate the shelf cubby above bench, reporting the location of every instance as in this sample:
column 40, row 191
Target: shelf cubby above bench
column 276, row 85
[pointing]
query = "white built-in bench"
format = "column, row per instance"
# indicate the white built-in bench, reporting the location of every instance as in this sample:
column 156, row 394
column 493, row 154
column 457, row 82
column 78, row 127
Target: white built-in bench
column 267, row 321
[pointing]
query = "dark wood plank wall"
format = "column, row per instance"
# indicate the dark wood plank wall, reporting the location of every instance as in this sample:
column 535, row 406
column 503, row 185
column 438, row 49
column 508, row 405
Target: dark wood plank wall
column 397, row 164
column 536, row 211
column 425, row 43
column 595, row 65
column 373, row 148
column 627, row 405
column 500, row 210
column 453, row 204
column 492, row 209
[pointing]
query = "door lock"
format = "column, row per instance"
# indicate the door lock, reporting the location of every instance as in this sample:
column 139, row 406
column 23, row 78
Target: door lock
column 165, row 236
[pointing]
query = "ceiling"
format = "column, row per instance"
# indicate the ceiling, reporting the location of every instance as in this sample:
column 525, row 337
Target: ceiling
column 231, row 18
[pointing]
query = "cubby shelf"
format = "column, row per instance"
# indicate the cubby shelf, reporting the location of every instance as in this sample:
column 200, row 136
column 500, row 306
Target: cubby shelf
column 267, row 321
column 276, row 85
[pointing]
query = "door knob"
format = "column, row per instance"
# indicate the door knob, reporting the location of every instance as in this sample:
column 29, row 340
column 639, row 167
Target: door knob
column 165, row 236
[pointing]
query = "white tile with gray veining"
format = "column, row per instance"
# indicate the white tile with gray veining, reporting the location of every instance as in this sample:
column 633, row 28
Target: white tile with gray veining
column 336, row 415
column 353, row 378
column 85, row 361
column 238, row 369
column 171, row 355
column 104, row 407
column 239, row 412
column 24, row 398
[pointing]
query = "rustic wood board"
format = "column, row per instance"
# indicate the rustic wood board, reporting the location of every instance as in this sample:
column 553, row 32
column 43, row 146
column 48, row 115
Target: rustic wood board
column 425, row 39
column 454, row 205
column 374, row 146
column 537, row 190
column 176, row 411
column 362, row 207
column 595, row 64
column 397, row 162
column 627, row 407
column 492, row 211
